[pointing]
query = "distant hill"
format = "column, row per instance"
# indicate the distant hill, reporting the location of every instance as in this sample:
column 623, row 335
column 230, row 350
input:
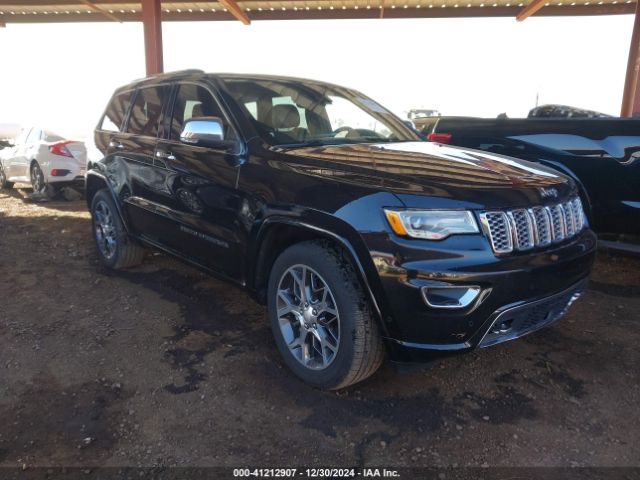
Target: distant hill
column 9, row 130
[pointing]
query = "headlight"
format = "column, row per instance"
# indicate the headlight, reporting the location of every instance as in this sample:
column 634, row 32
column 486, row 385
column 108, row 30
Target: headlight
column 431, row 224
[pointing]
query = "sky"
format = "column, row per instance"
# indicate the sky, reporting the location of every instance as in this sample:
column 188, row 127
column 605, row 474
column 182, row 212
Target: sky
column 61, row 75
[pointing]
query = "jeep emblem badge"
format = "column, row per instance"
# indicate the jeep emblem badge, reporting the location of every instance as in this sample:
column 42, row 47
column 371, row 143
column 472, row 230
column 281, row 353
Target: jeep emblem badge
column 549, row 192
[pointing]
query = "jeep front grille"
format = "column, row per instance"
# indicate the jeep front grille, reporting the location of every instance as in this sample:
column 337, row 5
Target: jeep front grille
column 523, row 229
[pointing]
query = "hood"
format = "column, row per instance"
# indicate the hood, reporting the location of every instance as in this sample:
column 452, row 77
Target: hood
column 424, row 170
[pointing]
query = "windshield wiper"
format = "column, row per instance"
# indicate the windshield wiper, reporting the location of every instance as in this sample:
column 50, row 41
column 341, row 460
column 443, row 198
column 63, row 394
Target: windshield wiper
column 340, row 141
column 318, row 143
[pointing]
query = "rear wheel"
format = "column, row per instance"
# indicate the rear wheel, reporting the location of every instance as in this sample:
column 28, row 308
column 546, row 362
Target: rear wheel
column 37, row 179
column 4, row 184
column 115, row 249
column 320, row 317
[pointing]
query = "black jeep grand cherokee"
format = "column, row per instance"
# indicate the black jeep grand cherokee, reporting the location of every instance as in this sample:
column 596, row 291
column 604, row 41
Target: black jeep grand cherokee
column 360, row 238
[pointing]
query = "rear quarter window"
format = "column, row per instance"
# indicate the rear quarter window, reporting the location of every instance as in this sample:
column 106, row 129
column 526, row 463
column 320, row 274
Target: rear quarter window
column 116, row 112
column 147, row 110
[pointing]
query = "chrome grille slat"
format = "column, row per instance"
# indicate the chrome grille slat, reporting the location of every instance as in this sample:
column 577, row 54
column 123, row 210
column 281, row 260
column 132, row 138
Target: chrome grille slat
column 538, row 226
column 576, row 205
column 522, row 229
column 558, row 227
column 570, row 220
column 542, row 225
column 498, row 224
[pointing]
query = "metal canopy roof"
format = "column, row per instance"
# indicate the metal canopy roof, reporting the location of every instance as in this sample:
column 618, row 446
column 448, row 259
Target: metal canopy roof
column 41, row 11
column 153, row 12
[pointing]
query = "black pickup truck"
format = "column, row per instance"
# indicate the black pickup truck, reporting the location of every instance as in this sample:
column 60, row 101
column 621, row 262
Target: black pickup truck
column 361, row 239
column 602, row 155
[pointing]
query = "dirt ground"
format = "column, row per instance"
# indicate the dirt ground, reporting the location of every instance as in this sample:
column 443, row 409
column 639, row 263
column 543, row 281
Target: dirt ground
column 162, row 366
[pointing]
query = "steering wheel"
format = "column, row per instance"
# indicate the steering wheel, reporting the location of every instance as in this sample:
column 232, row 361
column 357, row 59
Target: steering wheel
column 338, row 131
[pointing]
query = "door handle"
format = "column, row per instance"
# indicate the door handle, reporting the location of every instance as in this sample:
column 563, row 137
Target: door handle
column 165, row 155
column 114, row 144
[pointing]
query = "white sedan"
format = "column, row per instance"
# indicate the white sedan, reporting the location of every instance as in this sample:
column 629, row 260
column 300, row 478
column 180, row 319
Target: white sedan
column 44, row 159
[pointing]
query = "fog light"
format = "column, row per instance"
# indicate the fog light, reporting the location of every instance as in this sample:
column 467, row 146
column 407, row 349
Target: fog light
column 450, row 296
column 503, row 327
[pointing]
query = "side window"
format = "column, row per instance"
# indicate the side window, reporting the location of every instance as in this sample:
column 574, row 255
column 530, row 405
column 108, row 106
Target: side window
column 34, row 136
column 252, row 107
column 114, row 116
column 146, row 111
column 193, row 101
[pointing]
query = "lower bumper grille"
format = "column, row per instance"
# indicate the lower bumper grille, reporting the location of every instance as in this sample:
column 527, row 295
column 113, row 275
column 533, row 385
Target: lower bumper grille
column 518, row 321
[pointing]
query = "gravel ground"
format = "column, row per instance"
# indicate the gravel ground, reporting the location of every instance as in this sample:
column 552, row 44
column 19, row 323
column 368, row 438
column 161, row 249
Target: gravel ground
column 162, row 365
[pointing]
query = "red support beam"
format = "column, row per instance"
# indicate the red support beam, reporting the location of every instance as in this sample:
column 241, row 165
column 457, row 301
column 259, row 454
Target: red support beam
column 631, row 96
column 235, row 10
column 152, row 23
column 530, row 9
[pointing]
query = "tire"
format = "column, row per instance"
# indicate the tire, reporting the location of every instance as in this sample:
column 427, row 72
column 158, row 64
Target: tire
column 4, row 184
column 304, row 325
column 37, row 179
column 115, row 248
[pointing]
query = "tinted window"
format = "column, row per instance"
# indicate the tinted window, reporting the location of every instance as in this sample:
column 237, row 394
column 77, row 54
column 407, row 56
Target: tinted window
column 192, row 101
column 146, row 111
column 50, row 136
column 291, row 112
column 114, row 116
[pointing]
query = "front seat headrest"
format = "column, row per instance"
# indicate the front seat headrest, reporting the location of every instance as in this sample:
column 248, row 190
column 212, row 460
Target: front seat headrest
column 284, row 116
column 197, row 111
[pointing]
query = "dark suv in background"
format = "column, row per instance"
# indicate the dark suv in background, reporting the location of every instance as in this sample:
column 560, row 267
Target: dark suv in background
column 361, row 239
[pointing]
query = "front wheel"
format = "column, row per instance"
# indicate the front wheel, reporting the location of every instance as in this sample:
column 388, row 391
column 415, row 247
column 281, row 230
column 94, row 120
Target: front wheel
column 321, row 320
column 115, row 249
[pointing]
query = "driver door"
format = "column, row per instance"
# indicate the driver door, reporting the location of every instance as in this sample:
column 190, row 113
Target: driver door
column 201, row 195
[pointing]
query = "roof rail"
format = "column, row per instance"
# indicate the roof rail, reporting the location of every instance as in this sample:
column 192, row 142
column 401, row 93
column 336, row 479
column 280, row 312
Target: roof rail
column 169, row 74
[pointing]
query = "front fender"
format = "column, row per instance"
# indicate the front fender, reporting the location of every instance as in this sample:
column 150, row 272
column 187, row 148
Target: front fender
column 318, row 224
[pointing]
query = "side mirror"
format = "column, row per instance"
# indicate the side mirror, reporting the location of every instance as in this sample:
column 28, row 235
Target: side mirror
column 205, row 132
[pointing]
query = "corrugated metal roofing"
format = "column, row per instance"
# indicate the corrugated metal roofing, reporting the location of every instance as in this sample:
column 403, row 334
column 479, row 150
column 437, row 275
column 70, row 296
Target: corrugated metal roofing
column 34, row 11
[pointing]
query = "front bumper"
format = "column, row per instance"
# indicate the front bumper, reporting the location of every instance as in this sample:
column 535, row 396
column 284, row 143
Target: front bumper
column 513, row 284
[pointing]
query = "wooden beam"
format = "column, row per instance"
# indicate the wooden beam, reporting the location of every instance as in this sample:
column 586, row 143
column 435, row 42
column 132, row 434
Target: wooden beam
column 152, row 25
column 54, row 3
column 51, row 3
column 235, row 10
column 327, row 14
column 530, row 9
column 631, row 95
column 101, row 11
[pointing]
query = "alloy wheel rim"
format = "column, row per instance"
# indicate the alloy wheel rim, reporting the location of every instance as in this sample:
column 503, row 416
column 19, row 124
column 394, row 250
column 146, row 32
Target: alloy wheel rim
column 37, row 179
column 308, row 317
column 105, row 231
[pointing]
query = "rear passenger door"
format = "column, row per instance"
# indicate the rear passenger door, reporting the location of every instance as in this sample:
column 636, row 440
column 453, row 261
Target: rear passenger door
column 27, row 152
column 133, row 149
column 202, row 200
column 113, row 121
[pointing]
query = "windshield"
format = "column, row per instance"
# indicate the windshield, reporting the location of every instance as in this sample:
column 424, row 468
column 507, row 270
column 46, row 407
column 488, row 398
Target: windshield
column 294, row 113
